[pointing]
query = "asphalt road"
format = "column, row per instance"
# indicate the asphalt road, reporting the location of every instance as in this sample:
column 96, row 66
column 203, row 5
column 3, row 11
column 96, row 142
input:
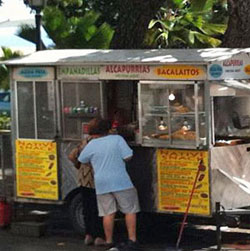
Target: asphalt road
column 160, row 235
column 65, row 241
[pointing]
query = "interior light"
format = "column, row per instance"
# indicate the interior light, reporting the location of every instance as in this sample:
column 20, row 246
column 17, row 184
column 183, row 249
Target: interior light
column 186, row 127
column 171, row 97
column 162, row 126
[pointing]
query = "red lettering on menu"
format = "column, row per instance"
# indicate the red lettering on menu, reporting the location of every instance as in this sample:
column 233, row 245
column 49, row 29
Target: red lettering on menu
column 36, row 146
column 29, row 146
column 233, row 62
column 21, row 144
column 171, row 207
column 127, row 69
column 173, row 155
column 48, row 146
column 108, row 68
column 180, row 155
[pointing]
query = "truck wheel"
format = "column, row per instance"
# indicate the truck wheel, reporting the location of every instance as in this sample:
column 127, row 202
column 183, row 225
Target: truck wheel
column 76, row 214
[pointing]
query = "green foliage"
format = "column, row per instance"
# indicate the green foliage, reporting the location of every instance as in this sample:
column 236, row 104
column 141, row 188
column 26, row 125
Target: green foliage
column 69, row 8
column 4, row 83
column 4, row 72
column 5, row 121
column 77, row 32
column 91, row 23
column 73, row 24
column 28, row 32
column 77, row 8
column 188, row 24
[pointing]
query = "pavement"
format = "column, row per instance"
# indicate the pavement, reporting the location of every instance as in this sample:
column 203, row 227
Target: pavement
column 59, row 238
column 62, row 242
column 157, row 236
column 66, row 240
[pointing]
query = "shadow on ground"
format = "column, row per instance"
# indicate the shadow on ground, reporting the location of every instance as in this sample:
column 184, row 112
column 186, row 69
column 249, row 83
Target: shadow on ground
column 154, row 233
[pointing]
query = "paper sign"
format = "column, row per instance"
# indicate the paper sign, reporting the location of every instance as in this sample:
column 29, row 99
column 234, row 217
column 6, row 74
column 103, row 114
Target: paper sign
column 177, row 170
column 36, row 169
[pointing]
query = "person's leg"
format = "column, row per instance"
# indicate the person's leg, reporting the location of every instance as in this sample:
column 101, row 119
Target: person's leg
column 128, row 204
column 131, row 226
column 86, row 200
column 107, row 208
column 108, row 225
column 96, row 222
column 96, row 228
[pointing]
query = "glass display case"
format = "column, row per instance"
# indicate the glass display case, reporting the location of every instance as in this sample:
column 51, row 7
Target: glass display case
column 231, row 118
column 172, row 114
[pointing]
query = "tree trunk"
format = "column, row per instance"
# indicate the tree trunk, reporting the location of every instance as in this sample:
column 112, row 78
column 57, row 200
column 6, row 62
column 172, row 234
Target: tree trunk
column 134, row 17
column 237, row 34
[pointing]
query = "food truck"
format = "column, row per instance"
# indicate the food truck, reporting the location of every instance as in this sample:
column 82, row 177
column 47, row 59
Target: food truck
column 179, row 110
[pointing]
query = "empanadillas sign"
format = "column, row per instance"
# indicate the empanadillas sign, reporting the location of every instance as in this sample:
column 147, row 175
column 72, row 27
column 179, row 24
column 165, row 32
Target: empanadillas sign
column 126, row 71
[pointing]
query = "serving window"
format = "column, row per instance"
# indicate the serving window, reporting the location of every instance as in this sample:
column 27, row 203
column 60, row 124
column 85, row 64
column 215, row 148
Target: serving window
column 172, row 114
column 231, row 119
column 80, row 102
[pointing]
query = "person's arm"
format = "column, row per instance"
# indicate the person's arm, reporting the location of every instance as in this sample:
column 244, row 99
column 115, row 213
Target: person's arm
column 128, row 158
column 126, row 151
column 85, row 155
column 74, row 154
column 73, row 157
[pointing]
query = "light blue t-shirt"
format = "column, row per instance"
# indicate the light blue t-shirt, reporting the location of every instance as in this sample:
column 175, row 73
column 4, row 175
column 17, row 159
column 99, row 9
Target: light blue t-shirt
column 106, row 155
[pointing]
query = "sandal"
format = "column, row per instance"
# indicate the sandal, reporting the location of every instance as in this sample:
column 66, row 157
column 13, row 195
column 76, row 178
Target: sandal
column 99, row 241
column 89, row 240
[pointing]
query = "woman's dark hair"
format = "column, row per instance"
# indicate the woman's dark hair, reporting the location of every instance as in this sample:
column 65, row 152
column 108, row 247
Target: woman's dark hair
column 99, row 126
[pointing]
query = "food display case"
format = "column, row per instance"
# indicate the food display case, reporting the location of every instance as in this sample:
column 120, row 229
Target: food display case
column 231, row 118
column 172, row 114
column 230, row 143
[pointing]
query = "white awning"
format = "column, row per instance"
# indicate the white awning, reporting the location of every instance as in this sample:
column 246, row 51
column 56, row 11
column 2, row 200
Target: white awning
column 229, row 87
column 236, row 84
column 101, row 57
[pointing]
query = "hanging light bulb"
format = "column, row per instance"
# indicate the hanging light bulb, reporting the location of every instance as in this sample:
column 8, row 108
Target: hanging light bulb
column 186, row 127
column 171, row 97
column 162, row 126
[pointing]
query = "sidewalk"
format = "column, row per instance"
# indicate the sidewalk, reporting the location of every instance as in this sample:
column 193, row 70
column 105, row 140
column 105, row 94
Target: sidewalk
column 66, row 240
column 63, row 241
column 159, row 236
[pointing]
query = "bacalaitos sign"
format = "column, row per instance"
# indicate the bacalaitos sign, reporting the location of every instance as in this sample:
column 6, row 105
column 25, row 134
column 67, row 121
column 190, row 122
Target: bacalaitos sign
column 140, row 72
column 180, row 72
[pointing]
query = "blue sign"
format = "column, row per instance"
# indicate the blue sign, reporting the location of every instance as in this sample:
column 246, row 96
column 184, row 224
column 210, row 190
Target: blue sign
column 215, row 70
column 33, row 72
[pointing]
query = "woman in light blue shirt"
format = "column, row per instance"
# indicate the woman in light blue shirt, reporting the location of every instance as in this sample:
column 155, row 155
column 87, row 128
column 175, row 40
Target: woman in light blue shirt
column 115, row 191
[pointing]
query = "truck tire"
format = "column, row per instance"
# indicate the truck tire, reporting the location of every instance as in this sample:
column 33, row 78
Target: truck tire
column 76, row 214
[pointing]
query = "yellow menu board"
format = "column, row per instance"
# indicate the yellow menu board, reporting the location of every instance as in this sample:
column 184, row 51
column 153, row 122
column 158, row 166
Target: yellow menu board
column 36, row 169
column 177, row 171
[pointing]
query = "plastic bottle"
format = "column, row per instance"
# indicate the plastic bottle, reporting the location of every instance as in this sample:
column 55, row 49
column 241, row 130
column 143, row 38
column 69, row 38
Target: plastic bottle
column 81, row 107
